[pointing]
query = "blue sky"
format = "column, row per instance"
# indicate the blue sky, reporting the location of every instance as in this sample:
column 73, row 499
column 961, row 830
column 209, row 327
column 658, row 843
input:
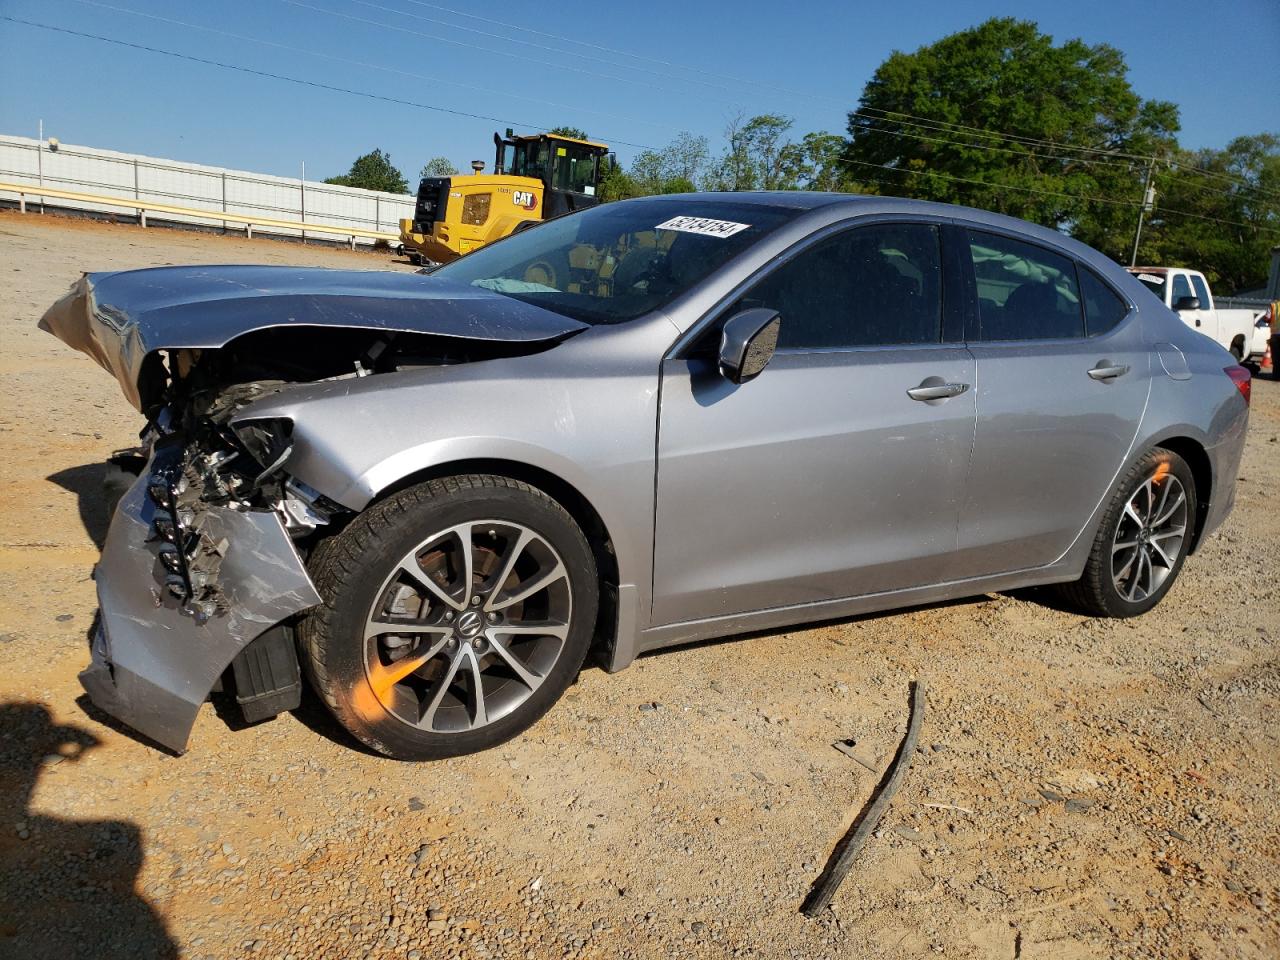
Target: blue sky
column 695, row 65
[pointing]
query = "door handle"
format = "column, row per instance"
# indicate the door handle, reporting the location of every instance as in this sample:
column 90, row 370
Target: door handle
column 936, row 391
column 1109, row 371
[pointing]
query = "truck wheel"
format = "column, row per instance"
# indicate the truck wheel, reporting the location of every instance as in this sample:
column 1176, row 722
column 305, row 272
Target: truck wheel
column 455, row 614
column 1237, row 349
column 1142, row 541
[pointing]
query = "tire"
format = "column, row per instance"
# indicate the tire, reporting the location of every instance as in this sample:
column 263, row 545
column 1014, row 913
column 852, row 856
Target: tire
column 1237, row 349
column 1151, row 485
column 436, row 560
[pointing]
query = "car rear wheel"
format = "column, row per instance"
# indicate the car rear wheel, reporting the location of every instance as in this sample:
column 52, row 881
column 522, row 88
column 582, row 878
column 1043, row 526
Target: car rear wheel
column 455, row 614
column 1143, row 539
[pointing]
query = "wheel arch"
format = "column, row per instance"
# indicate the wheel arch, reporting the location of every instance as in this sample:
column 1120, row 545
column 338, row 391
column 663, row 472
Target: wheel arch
column 1197, row 459
column 578, row 506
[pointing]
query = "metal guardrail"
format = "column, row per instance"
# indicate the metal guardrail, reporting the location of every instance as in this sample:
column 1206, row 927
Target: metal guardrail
column 142, row 207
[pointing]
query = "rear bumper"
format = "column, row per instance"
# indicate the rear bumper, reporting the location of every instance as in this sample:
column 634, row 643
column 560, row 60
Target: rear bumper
column 1224, row 460
column 153, row 662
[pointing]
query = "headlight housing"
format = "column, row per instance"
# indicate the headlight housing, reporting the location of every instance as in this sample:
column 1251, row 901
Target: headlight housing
column 269, row 441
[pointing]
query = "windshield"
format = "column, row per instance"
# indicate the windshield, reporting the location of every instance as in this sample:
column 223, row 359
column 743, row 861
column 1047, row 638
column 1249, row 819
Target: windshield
column 619, row 260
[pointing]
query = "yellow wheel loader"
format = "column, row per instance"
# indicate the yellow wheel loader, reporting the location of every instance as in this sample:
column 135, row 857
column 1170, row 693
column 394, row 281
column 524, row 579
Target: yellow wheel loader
column 535, row 178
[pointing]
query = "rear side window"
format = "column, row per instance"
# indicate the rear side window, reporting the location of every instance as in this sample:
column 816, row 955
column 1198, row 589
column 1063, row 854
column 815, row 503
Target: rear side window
column 870, row 286
column 1025, row 292
column 1102, row 308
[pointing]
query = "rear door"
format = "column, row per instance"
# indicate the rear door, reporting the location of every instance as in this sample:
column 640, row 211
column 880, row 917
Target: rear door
column 823, row 477
column 1062, row 382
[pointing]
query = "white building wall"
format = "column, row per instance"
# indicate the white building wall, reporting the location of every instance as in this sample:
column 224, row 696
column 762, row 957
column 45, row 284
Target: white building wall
column 134, row 176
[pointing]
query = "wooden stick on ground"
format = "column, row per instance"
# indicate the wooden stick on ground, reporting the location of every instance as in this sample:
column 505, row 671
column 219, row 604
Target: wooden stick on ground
column 842, row 857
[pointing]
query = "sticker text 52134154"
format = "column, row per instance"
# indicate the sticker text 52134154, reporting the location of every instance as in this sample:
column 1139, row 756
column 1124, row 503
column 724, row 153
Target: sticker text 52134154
column 704, row 226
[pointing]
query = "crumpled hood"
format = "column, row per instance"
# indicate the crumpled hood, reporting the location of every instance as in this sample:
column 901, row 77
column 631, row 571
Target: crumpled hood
column 122, row 319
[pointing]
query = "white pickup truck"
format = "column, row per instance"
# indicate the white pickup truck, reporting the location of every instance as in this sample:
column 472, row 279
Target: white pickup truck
column 1186, row 293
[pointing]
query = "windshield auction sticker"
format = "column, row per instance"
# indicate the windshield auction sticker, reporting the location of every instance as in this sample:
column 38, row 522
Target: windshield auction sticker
column 703, row 226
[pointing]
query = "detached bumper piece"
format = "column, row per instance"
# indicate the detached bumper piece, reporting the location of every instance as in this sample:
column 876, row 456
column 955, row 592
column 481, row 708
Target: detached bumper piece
column 183, row 588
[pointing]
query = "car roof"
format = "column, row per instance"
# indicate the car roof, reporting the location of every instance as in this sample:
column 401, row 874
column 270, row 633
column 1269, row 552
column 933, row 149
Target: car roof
column 802, row 203
column 786, row 199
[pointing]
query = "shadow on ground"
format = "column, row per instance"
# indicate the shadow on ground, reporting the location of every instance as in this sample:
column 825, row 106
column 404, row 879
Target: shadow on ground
column 98, row 488
column 67, row 887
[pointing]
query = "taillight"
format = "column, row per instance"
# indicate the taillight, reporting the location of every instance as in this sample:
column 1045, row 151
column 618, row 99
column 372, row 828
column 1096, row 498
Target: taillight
column 1241, row 378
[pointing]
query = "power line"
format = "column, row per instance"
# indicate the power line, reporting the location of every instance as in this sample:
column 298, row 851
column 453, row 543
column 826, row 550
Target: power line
column 1113, row 157
column 1114, row 154
column 617, row 52
column 1126, row 164
column 298, row 80
column 526, row 43
column 473, row 46
column 357, row 63
column 1057, row 193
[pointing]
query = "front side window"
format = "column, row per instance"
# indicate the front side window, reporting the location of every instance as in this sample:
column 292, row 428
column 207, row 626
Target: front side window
column 616, row 261
column 1181, row 288
column 1202, row 290
column 1102, row 308
column 870, row 286
column 1025, row 292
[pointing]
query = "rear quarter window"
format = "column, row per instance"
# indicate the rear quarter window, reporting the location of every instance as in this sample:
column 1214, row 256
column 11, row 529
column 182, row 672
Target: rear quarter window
column 1103, row 309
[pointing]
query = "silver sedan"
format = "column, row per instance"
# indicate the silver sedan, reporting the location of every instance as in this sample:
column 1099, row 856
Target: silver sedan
column 655, row 421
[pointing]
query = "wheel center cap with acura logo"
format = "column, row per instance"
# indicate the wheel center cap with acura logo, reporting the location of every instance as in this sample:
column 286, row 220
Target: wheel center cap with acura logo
column 470, row 624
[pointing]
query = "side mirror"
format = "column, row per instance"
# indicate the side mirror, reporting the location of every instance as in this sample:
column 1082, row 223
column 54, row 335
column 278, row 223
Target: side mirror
column 1187, row 303
column 747, row 343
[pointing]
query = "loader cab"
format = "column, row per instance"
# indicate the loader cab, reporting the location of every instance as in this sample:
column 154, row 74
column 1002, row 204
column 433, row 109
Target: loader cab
column 569, row 169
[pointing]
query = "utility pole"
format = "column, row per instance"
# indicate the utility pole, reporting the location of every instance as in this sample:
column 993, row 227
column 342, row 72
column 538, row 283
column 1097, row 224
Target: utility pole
column 40, row 159
column 1148, row 204
column 302, row 198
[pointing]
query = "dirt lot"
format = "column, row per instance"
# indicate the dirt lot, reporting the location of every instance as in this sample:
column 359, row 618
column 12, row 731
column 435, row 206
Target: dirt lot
column 1084, row 788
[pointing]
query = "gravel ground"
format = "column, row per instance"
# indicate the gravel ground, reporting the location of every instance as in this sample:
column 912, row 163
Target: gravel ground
column 1084, row 788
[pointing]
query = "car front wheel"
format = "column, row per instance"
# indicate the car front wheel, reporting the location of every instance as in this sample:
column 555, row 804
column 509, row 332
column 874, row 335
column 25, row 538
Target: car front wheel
column 455, row 614
column 1142, row 541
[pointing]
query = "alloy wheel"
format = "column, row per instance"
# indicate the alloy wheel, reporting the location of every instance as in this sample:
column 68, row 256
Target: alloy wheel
column 467, row 626
column 1150, row 536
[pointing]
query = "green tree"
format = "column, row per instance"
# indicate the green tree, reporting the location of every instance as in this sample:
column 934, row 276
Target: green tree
column 573, row 133
column 1218, row 211
column 757, row 156
column 373, row 171
column 679, row 167
column 616, row 183
column 813, row 163
column 437, row 167
column 1005, row 75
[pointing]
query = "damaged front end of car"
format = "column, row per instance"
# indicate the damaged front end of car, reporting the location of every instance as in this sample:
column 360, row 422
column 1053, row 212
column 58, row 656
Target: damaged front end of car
column 203, row 571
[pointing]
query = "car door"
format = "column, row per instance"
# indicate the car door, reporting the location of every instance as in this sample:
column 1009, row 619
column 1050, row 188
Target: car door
column 1062, row 382
column 823, row 477
column 1179, row 289
column 1206, row 318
